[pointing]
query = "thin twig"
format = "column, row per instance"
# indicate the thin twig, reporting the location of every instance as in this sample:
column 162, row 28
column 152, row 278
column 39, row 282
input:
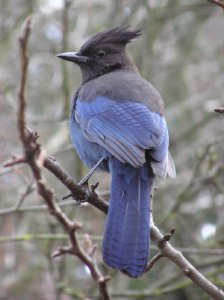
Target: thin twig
column 162, row 243
column 29, row 237
column 24, row 60
column 29, row 189
column 14, row 161
column 219, row 109
column 65, row 82
column 152, row 261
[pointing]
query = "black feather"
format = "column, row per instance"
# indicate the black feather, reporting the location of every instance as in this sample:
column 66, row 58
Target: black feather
column 117, row 35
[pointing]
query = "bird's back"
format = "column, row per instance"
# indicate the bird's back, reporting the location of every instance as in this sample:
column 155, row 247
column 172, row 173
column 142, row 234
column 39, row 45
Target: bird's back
column 123, row 85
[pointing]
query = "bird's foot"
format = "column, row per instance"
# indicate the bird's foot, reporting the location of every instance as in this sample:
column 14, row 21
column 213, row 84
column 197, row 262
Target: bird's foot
column 88, row 191
column 70, row 195
column 84, row 181
column 79, row 202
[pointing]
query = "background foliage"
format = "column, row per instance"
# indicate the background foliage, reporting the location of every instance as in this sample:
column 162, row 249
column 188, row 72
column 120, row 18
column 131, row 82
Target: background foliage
column 181, row 53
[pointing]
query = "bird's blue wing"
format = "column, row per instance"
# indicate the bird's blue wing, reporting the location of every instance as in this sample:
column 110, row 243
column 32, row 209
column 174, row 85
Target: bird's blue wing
column 124, row 129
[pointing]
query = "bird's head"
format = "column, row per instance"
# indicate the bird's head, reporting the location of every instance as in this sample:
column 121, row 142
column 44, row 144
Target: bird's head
column 103, row 52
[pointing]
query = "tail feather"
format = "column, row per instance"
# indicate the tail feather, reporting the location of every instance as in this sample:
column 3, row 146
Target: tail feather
column 126, row 237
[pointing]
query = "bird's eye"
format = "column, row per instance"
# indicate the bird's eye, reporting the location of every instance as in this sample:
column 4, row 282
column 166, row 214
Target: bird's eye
column 101, row 53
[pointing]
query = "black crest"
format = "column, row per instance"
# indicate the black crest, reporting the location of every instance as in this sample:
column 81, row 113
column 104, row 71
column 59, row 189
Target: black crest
column 116, row 35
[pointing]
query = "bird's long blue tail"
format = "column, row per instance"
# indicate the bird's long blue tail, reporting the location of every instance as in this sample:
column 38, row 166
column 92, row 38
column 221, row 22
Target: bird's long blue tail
column 126, row 237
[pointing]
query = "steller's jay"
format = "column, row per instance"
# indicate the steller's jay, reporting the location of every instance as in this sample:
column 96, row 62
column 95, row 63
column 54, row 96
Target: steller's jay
column 117, row 125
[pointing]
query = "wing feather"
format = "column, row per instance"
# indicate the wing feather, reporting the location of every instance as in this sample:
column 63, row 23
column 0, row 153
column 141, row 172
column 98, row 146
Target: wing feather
column 125, row 129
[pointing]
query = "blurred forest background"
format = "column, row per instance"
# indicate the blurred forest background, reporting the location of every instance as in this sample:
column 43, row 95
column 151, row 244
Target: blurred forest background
column 181, row 53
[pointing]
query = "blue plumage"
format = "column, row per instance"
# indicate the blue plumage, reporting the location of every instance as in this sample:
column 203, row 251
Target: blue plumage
column 124, row 129
column 117, row 116
column 121, row 132
column 126, row 236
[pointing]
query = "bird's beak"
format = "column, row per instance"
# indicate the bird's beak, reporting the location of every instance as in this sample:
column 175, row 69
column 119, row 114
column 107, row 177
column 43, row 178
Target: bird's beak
column 75, row 57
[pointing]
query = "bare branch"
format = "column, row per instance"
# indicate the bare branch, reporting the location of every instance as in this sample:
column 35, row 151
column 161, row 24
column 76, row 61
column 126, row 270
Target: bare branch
column 29, row 189
column 35, row 157
column 194, row 275
column 219, row 109
column 152, row 261
column 188, row 269
column 14, row 161
column 24, row 60
column 65, row 83
column 218, row 2
column 76, row 190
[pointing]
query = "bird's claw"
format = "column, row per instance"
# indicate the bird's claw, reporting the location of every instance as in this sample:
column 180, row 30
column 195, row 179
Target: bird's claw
column 84, row 182
column 88, row 191
column 70, row 195
column 79, row 202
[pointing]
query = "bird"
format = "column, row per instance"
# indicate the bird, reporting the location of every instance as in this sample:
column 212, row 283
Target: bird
column 117, row 125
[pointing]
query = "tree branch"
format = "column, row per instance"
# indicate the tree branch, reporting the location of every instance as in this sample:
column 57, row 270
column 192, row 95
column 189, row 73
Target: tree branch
column 219, row 110
column 79, row 193
column 217, row 2
column 35, row 157
column 187, row 268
